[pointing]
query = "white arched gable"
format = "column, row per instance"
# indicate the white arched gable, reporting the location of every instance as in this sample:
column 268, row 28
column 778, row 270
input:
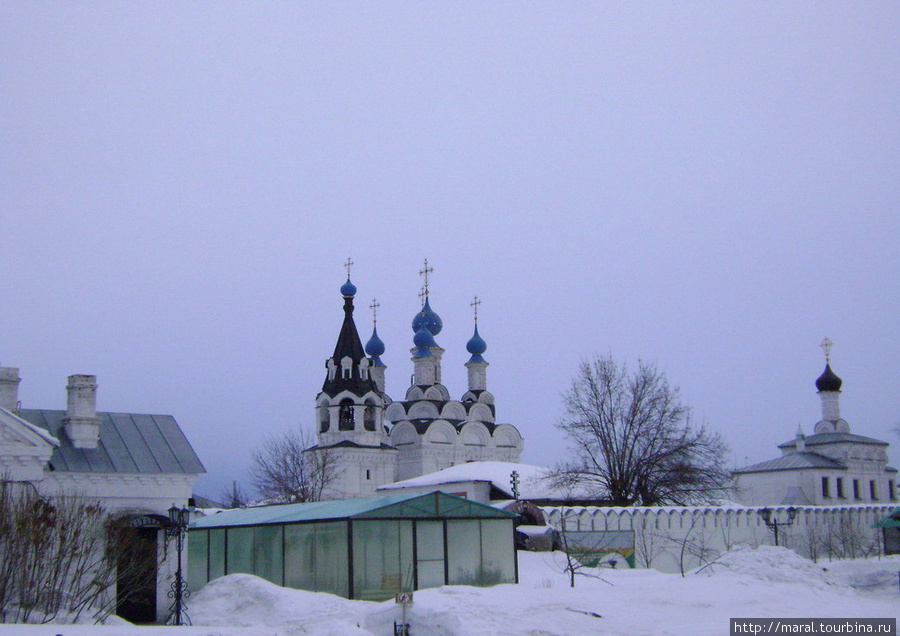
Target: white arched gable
column 481, row 412
column 414, row 393
column 423, row 411
column 395, row 412
column 474, row 434
column 486, row 397
column 507, row 436
column 403, row 433
column 440, row 432
column 453, row 411
column 437, row 392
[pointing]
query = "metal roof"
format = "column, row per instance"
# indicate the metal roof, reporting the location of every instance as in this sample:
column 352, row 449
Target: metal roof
column 794, row 461
column 835, row 438
column 129, row 443
column 429, row 505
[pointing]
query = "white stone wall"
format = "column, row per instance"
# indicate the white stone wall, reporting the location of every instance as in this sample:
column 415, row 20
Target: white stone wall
column 674, row 538
column 360, row 471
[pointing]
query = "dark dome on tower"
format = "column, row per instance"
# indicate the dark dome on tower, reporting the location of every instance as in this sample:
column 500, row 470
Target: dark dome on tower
column 427, row 317
column 828, row 381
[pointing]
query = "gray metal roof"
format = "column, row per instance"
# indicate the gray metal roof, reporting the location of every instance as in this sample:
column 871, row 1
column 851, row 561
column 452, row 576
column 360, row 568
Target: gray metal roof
column 405, row 505
column 129, row 443
column 794, row 461
column 835, row 438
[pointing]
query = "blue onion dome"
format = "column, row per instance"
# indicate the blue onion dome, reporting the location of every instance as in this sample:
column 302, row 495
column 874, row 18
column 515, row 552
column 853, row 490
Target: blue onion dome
column 429, row 318
column 476, row 345
column 423, row 338
column 348, row 288
column 375, row 347
column 828, row 381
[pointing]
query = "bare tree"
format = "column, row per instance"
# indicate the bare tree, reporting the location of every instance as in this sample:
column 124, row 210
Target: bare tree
column 61, row 557
column 633, row 439
column 289, row 469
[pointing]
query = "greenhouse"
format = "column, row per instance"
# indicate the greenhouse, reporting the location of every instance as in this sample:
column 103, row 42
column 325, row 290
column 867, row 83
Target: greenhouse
column 366, row 549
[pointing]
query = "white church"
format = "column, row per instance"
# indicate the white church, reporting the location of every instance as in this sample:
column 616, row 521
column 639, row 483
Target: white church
column 831, row 467
column 377, row 441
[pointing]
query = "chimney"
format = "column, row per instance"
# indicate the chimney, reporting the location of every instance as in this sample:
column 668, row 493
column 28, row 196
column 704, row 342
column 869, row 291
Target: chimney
column 800, row 441
column 9, row 388
column 81, row 421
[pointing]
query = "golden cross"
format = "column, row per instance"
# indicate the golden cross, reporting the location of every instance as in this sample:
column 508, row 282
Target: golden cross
column 474, row 305
column 348, row 265
column 425, row 271
column 374, row 307
column 826, row 345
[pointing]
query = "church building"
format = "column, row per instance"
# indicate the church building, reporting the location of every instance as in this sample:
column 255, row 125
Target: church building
column 831, row 467
column 374, row 440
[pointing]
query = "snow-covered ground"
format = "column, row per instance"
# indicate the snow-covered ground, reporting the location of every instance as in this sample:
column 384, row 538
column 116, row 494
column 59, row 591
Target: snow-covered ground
column 766, row 582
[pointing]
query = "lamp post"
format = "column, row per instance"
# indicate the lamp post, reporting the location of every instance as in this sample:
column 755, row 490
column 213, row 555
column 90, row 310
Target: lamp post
column 773, row 523
column 179, row 518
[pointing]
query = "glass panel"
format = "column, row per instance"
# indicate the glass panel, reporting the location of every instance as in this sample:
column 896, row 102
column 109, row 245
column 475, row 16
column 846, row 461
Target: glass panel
column 197, row 546
column 382, row 558
column 332, row 562
column 240, row 550
column 431, row 574
column 216, row 553
column 315, row 557
column 267, row 553
column 498, row 552
column 463, row 551
column 430, row 553
column 300, row 556
column 430, row 540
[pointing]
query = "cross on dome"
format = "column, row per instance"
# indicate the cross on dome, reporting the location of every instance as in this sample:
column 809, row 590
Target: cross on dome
column 826, row 345
column 474, row 305
column 425, row 271
column 348, row 265
column 374, row 307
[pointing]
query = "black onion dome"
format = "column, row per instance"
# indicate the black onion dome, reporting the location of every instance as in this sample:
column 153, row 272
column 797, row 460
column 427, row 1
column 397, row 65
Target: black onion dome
column 828, row 381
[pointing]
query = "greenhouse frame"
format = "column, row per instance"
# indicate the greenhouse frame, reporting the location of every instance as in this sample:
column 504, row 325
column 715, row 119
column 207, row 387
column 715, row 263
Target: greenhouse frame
column 367, row 549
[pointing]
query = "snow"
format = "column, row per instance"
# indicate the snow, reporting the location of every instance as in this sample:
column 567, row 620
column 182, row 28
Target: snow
column 533, row 482
column 765, row 582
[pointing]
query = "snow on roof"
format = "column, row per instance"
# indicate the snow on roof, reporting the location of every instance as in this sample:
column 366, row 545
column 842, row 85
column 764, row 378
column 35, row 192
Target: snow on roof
column 533, row 481
column 37, row 430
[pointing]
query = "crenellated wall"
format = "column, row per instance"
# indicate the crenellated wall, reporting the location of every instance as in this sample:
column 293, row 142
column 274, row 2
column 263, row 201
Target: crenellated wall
column 672, row 539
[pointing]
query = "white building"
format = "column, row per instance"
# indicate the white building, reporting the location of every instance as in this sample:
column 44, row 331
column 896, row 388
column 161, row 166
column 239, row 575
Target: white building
column 136, row 466
column 378, row 441
column 831, row 467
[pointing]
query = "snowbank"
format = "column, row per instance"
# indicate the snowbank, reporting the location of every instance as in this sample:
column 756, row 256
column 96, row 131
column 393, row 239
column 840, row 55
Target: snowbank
column 244, row 600
column 766, row 583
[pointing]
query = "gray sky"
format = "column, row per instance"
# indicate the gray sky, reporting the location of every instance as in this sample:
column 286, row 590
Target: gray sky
column 710, row 186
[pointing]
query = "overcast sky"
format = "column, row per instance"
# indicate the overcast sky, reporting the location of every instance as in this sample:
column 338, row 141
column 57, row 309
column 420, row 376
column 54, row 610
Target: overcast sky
column 713, row 187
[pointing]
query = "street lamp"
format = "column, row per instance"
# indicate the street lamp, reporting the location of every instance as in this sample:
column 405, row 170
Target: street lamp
column 774, row 524
column 179, row 518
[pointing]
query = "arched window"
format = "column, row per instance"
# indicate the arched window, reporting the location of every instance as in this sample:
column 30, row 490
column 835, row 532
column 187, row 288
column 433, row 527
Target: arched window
column 324, row 419
column 345, row 421
column 369, row 416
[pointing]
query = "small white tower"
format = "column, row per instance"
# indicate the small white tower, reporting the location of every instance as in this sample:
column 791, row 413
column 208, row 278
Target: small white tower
column 829, row 388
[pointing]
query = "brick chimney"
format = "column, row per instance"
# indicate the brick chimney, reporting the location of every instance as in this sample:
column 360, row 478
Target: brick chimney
column 9, row 388
column 81, row 421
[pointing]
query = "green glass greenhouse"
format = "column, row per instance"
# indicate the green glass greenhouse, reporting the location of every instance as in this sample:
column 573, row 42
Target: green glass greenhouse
column 359, row 548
